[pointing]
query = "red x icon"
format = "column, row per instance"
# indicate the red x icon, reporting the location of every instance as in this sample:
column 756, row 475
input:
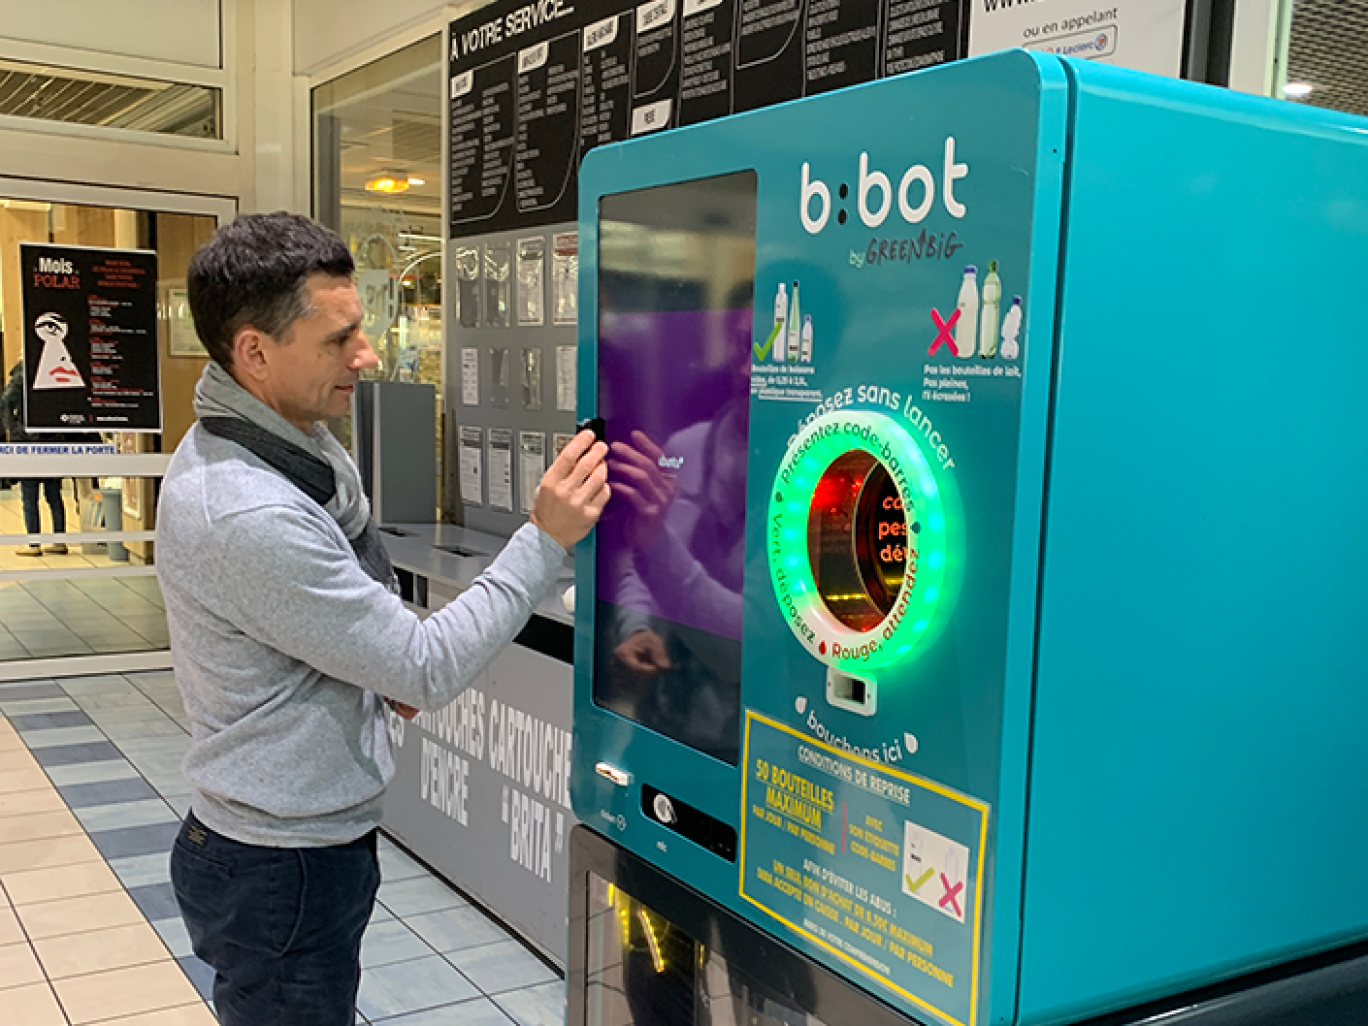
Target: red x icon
column 944, row 330
column 952, row 893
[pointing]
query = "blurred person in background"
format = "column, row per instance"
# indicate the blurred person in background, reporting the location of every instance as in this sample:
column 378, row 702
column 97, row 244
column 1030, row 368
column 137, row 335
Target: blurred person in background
column 12, row 413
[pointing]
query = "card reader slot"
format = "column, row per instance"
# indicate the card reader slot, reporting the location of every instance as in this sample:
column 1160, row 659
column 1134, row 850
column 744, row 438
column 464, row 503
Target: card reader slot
column 689, row 822
column 459, row 550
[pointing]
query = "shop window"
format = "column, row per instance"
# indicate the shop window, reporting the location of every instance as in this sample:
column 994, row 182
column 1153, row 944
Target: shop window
column 377, row 141
column 377, row 150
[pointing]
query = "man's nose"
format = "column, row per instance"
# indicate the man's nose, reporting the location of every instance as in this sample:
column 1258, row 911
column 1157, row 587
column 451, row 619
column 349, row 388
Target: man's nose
column 365, row 357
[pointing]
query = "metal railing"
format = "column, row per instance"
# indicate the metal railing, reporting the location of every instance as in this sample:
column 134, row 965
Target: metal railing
column 80, row 465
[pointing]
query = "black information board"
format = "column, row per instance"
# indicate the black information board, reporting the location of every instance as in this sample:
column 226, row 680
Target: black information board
column 534, row 87
column 90, row 339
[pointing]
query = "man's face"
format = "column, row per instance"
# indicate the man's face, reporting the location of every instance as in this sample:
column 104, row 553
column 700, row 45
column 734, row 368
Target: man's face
column 313, row 372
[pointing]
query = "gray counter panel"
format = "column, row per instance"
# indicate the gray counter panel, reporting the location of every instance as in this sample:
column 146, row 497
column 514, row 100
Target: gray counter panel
column 481, row 791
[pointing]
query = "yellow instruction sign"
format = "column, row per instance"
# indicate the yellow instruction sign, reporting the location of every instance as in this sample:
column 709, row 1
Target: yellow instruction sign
column 879, row 869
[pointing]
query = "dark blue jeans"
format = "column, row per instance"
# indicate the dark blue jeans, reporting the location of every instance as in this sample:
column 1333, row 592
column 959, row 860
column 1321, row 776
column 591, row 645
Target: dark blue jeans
column 52, row 491
column 281, row 927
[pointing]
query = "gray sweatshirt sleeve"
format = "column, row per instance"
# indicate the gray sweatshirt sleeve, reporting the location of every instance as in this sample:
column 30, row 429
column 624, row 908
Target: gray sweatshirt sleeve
column 281, row 577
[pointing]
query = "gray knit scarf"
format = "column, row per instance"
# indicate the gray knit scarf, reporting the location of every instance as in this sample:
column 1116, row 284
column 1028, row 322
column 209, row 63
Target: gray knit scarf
column 315, row 463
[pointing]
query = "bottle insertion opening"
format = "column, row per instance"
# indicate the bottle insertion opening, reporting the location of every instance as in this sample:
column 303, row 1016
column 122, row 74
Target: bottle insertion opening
column 859, row 540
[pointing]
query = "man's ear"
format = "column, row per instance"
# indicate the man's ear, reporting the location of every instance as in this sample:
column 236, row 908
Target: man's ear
column 249, row 356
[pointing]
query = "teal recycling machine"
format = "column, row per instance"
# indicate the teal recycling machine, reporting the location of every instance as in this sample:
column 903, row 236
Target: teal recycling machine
column 975, row 634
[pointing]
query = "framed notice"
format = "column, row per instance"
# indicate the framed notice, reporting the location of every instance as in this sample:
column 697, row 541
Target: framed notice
column 566, row 377
column 90, row 339
column 470, row 376
column 531, row 466
column 565, row 277
column 531, row 282
column 181, row 339
column 501, row 469
column 472, row 465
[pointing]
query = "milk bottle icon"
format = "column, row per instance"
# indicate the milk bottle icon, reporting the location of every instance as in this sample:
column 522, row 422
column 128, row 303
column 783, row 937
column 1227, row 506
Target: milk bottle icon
column 795, row 328
column 988, row 318
column 1011, row 327
column 966, row 329
column 777, row 353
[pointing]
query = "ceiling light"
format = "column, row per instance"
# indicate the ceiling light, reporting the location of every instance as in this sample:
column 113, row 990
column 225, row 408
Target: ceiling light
column 387, row 184
column 1297, row 89
column 415, row 180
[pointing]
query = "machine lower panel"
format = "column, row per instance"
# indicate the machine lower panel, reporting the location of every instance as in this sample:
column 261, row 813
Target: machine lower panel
column 647, row 950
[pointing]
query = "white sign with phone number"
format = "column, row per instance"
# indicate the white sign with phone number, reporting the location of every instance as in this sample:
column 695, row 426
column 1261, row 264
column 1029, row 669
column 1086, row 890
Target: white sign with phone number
column 1143, row 35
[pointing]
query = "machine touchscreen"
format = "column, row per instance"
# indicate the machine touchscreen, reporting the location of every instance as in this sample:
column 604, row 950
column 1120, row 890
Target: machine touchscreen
column 676, row 270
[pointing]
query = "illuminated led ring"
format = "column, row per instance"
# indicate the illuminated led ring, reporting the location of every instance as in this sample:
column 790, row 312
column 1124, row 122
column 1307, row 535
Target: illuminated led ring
column 913, row 617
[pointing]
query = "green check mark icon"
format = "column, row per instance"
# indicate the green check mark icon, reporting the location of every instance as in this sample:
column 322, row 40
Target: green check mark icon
column 763, row 351
column 916, row 884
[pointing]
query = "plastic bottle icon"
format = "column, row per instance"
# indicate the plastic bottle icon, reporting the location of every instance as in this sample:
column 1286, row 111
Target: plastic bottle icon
column 966, row 329
column 794, row 328
column 781, row 322
column 805, row 340
column 991, row 312
column 1011, row 327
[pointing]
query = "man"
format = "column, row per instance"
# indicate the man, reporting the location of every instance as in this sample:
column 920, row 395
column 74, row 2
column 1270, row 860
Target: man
column 12, row 413
column 286, row 634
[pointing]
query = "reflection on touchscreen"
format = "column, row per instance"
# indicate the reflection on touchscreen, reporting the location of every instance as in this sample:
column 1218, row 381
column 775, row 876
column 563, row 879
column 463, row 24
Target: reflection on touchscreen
column 681, row 518
column 640, row 479
column 677, row 544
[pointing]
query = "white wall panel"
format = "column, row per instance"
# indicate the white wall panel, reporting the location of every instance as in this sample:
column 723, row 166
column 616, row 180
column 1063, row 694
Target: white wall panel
column 53, row 157
column 276, row 98
column 179, row 31
column 327, row 31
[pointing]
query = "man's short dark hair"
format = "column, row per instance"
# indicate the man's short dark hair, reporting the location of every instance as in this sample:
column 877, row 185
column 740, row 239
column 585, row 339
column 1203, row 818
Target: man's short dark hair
column 253, row 273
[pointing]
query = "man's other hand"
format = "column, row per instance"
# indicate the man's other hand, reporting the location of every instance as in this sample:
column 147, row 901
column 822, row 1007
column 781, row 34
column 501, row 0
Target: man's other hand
column 573, row 491
column 644, row 652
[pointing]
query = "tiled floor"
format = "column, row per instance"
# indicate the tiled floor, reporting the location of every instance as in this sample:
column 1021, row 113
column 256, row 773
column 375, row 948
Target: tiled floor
column 91, row 796
column 54, row 618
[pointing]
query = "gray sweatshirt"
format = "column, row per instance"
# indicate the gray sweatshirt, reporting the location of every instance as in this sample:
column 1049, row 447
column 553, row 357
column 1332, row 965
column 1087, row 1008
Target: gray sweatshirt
column 282, row 647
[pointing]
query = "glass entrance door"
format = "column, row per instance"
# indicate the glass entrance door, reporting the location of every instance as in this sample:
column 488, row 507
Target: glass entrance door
column 78, row 589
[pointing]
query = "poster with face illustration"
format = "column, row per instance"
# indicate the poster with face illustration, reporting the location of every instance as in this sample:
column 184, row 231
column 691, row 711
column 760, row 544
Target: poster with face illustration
column 90, row 339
